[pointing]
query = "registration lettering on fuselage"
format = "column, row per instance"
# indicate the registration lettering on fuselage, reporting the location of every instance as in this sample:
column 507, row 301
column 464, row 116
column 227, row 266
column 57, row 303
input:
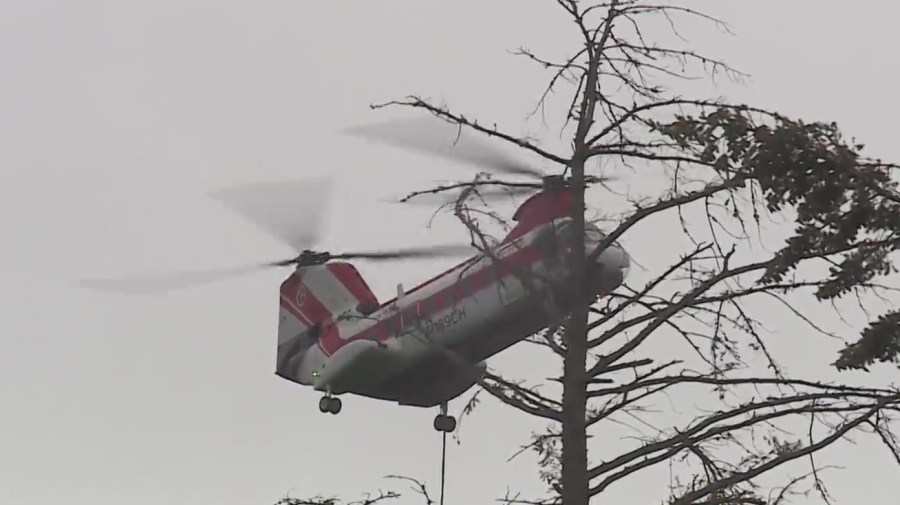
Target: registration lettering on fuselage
column 445, row 322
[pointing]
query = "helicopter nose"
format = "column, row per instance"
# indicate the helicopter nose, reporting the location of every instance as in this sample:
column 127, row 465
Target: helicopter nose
column 615, row 258
column 613, row 262
column 614, row 265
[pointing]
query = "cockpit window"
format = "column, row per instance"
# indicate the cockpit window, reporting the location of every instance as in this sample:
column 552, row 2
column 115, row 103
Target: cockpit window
column 592, row 235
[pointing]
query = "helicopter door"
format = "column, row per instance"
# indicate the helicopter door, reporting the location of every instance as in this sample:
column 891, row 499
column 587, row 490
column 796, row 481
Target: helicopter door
column 509, row 285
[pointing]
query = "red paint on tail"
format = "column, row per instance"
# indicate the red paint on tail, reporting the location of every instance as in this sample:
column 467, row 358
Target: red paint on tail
column 317, row 296
column 347, row 275
column 301, row 302
column 541, row 208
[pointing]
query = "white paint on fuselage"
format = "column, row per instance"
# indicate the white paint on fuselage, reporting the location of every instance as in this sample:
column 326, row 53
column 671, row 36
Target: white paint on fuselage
column 479, row 325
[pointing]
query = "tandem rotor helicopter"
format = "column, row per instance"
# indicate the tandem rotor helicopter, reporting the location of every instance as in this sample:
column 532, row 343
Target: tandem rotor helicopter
column 427, row 345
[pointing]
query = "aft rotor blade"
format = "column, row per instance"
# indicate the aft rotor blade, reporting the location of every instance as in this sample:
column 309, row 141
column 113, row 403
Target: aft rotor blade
column 437, row 137
column 289, row 211
column 163, row 282
column 411, row 253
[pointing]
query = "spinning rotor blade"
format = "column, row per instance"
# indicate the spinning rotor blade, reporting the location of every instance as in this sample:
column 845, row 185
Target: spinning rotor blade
column 410, row 253
column 437, row 137
column 488, row 190
column 286, row 210
column 485, row 192
column 289, row 211
column 163, row 282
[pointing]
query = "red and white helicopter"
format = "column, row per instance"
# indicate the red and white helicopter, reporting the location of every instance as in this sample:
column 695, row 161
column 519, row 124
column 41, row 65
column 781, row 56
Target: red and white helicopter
column 428, row 344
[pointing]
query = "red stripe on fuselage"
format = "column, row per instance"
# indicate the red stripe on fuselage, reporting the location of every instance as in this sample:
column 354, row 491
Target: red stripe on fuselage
column 466, row 285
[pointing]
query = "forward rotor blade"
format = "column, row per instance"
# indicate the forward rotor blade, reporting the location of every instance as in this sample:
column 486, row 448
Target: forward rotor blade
column 163, row 282
column 508, row 191
column 411, row 253
column 436, row 137
column 483, row 193
column 289, row 210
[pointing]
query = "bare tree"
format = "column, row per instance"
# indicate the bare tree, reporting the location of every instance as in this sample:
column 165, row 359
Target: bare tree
column 732, row 170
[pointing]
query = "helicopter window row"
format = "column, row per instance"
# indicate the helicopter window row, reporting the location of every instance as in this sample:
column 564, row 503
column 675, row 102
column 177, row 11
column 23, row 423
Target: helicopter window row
column 424, row 309
column 394, row 323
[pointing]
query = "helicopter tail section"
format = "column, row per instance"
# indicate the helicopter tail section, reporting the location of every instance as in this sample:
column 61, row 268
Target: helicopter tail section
column 311, row 299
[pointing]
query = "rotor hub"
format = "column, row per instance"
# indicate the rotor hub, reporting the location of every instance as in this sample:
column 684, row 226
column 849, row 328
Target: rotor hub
column 554, row 182
column 309, row 258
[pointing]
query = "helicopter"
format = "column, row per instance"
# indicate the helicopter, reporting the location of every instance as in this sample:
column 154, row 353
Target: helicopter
column 430, row 343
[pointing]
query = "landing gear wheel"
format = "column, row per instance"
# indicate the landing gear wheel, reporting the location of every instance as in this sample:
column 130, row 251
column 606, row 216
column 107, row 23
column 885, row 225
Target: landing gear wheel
column 335, row 406
column 444, row 423
column 330, row 405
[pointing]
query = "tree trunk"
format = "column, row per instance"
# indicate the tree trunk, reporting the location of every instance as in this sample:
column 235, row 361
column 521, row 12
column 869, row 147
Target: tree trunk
column 574, row 399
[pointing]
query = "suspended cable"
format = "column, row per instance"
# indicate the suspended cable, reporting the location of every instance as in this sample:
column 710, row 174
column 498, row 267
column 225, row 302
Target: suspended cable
column 443, row 463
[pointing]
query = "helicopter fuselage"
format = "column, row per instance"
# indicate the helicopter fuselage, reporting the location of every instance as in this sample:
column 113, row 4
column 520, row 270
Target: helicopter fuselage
column 429, row 344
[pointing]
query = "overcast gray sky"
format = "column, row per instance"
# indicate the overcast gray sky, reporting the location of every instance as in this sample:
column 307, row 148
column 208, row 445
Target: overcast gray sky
column 116, row 117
